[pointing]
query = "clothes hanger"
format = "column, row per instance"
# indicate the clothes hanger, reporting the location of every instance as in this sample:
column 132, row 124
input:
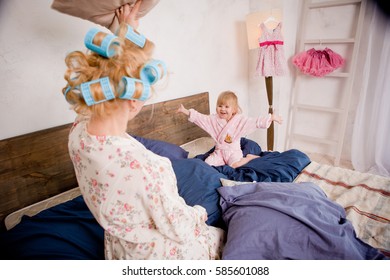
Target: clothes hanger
column 271, row 23
column 320, row 46
column 271, row 19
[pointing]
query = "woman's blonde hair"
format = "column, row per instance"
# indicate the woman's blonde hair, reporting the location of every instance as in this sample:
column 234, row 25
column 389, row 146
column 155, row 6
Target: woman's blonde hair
column 84, row 67
column 229, row 97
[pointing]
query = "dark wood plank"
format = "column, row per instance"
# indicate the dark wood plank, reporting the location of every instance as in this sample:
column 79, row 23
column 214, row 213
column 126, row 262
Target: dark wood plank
column 160, row 120
column 37, row 165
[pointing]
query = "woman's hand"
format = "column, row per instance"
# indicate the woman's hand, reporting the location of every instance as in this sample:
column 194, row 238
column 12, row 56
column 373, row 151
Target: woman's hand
column 129, row 14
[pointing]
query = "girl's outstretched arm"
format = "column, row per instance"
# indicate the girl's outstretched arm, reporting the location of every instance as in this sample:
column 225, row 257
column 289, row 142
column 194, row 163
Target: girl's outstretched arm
column 276, row 118
column 183, row 110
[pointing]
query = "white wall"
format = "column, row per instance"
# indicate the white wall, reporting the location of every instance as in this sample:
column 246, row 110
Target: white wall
column 203, row 43
column 33, row 43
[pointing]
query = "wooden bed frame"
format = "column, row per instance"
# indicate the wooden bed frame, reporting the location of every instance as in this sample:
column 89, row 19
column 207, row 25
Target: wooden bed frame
column 36, row 166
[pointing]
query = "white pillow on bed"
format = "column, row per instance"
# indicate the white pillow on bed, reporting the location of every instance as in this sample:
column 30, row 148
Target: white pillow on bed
column 99, row 11
column 231, row 183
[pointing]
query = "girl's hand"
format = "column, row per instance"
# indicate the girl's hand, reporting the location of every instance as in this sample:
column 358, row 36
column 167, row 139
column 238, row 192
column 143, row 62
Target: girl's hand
column 183, row 110
column 277, row 118
column 129, row 14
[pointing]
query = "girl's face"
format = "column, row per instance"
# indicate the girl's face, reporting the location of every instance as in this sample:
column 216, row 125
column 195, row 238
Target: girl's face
column 225, row 111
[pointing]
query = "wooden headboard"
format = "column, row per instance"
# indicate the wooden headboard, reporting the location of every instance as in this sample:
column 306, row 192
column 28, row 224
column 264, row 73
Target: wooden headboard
column 37, row 165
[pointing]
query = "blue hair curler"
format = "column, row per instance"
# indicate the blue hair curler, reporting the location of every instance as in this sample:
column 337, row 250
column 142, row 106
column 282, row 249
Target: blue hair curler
column 130, row 91
column 135, row 37
column 107, row 46
column 66, row 93
column 68, row 89
column 104, row 85
column 153, row 71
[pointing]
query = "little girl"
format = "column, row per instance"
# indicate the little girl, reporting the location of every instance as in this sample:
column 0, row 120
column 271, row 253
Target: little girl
column 226, row 128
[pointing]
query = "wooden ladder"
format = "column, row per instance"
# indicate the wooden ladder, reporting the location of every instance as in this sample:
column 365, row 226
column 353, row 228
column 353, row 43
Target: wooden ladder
column 339, row 113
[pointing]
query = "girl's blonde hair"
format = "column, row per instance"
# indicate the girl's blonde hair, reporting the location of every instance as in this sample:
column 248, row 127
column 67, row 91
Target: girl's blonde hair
column 84, row 67
column 229, row 97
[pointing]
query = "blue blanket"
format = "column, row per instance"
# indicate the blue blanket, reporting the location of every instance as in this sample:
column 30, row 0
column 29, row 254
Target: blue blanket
column 198, row 182
column 270, row 167
column 67, row 231
column 288, row 221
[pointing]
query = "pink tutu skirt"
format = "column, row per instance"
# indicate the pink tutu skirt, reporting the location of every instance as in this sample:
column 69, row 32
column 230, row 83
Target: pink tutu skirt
column 318, row 62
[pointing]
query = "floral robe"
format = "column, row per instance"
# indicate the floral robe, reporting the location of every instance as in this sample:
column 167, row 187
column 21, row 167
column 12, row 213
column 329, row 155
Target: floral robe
column 133, row 195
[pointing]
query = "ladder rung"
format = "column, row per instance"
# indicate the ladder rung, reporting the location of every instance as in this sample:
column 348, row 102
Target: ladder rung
column 330, row 41
column 319, row 108
column 333, row 74
column 315, row 139
column 328, row 4
column 338, row 74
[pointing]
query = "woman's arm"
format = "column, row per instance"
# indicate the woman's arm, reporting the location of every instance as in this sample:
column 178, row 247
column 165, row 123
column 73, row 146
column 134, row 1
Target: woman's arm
column 128, row 14
column 143, row 200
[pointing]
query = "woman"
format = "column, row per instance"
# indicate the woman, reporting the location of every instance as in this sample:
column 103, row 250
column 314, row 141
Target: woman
column 131, row 191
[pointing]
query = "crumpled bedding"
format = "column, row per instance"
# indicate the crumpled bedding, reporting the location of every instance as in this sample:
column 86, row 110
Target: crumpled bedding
column 288, row 221
column 69, row 231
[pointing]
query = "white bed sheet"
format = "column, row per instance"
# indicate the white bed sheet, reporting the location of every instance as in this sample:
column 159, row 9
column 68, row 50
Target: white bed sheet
column 365, row 198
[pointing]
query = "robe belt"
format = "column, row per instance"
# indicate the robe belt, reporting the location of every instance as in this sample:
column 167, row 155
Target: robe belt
column 235, row 146
column 271, row 43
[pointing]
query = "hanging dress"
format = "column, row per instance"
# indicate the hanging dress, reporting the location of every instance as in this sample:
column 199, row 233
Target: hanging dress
column 318, row 63
column 271, row 60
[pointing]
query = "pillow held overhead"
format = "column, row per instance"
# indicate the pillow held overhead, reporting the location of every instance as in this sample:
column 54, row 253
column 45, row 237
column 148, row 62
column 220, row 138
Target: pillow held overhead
column 99, row 11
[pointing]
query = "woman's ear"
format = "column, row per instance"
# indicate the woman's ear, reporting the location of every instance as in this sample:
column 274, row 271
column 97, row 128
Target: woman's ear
column 132, row 105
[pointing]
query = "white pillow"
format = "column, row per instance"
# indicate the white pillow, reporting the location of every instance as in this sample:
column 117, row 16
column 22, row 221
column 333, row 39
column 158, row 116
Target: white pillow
column 231, row 183
column 99, row 11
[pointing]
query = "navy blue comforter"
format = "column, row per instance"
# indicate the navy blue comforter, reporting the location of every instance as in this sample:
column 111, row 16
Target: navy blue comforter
column 270, row 167
column 67, row 231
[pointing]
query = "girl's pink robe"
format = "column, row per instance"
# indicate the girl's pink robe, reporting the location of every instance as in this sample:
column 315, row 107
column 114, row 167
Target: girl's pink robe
column 227, row 134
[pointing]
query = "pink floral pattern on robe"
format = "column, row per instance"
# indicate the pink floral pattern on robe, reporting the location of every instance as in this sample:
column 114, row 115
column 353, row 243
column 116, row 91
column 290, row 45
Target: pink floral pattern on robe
column 133, row 195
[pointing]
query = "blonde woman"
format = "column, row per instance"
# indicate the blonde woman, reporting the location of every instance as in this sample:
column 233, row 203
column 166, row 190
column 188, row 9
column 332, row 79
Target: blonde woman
column 131, row 191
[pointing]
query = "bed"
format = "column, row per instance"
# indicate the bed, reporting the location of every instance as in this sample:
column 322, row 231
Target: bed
column 262, row 205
